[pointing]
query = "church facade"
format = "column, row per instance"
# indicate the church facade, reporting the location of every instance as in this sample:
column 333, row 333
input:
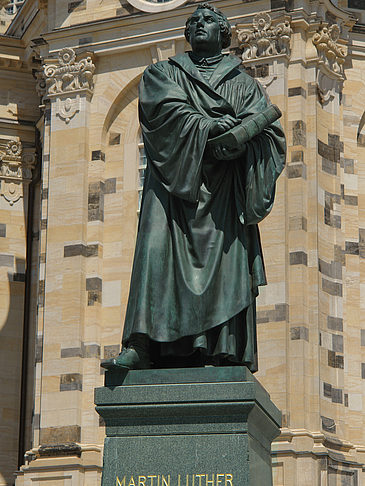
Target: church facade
column 71, row 172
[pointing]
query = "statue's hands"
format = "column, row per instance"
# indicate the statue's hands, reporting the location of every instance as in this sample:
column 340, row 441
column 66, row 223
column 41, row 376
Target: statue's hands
column 220, row 152
column 222, row 125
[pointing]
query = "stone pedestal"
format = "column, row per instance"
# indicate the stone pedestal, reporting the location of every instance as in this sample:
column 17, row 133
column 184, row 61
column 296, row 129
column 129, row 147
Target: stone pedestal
column 187, row 427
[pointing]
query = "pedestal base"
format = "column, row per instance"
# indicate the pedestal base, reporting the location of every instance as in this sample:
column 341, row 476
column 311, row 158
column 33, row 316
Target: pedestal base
column 187, row 427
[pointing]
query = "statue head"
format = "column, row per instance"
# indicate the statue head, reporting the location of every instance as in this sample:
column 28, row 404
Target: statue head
column 207, row 30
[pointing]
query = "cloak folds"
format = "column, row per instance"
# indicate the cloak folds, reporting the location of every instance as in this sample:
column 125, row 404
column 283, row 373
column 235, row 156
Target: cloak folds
column 198, row 260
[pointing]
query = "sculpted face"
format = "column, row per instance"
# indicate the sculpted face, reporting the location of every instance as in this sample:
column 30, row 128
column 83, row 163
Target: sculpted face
column 204, row 33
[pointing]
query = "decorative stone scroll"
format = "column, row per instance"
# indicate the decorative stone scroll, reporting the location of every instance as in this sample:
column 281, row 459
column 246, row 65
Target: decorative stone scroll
column 265, row 39
column 65, row 81
column 16, row 168
column 329, row 51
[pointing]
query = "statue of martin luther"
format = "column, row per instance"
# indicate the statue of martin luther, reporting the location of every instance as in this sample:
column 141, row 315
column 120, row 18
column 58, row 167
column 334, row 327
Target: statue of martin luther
column 198, row 261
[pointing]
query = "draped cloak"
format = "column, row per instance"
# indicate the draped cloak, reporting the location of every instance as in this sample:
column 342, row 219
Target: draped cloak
column 198, row 261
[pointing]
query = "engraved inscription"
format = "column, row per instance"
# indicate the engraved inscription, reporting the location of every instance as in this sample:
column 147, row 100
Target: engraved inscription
column 206, row 479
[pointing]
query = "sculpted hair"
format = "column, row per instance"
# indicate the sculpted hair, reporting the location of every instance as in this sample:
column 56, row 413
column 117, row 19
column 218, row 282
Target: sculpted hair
column 225, row 28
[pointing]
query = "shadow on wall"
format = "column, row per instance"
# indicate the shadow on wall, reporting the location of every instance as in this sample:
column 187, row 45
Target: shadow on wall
column 11, row 346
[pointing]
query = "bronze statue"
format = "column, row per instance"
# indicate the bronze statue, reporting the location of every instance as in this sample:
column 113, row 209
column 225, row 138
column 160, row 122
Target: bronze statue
column 198, row 261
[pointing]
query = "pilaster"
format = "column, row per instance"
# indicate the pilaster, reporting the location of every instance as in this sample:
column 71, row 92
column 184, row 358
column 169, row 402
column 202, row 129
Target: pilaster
column 67, row 90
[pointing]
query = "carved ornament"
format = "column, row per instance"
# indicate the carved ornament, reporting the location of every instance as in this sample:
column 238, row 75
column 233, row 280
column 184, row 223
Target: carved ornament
column 69, row 75
column 264, row 39
column 65, row 80
column 16, row 168
column 330, row 52
column 332, row 57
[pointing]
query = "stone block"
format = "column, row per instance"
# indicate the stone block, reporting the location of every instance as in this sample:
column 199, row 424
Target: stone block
column 297, row 91
column 60, row 435
column 110, row 186
column 351, row 247
column 299, row 132
column 94, row 283
column 332, row 288
column 98, row 155
column 114, row 138
column 337, row 343
column 6, row 260
column 336, row 324
column 299, row 332
column 298, row 258
column 328, row 425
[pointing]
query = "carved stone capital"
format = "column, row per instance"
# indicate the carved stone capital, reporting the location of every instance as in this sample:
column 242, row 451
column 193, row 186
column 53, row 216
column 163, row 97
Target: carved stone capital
column 263, row 38
column 330, row 52
column 16, row 167
column 68, row 75
column 64, row 80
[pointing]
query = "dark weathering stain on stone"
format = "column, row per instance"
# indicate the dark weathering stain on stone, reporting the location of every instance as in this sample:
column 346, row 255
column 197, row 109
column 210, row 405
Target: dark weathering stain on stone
column 330, row 219
column 96, row 201
column 298, row 258
column 70, row 382
column 296, row 170
column 279, row 314
column 332, row 288
column 335, row 323
column 84, row 351
column 351, row 248
column 94, row 287
column 330, row 153
column 97, row 190
column 297, row 91
column 328, row 424
column 332, row 270
column 299, row 133
column 79, row 249
column 351, row 200
column 299, row 332
column 98, row 155
column 60, row 435
column 335, row 360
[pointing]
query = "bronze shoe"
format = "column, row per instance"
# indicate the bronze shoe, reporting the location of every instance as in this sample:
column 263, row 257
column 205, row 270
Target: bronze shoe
column 129, row 359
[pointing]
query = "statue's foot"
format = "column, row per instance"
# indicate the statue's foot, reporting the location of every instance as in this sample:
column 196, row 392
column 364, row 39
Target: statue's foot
column 129, row 359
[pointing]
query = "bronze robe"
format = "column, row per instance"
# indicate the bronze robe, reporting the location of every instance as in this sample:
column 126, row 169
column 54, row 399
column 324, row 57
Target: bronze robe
column 198, row 260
